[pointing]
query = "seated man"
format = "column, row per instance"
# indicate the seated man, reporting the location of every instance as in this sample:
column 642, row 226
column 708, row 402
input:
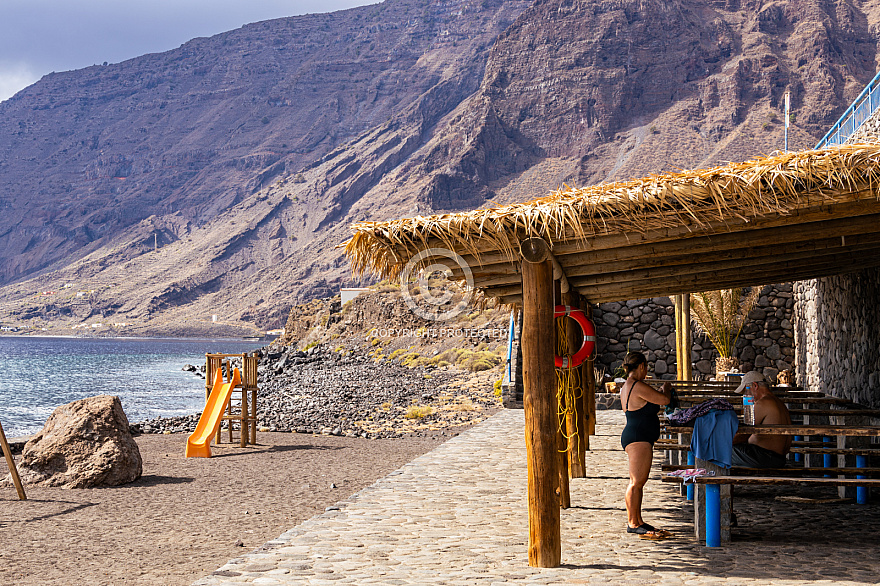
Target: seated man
column 757, row 450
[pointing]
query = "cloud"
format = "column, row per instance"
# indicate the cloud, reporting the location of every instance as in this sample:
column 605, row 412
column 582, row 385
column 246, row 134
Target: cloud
column 59, row 35
column 15, row 77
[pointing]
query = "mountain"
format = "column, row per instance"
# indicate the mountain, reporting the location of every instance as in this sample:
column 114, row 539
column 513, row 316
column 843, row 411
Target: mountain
column 218, row 178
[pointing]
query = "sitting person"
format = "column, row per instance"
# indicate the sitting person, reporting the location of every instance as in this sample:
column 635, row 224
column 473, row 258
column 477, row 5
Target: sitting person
column 762, row 450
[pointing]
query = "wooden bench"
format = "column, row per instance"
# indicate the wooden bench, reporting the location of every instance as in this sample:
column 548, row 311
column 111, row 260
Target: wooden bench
column 713, row 494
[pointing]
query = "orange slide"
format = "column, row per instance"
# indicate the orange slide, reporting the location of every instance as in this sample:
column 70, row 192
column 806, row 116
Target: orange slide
column 199, row 443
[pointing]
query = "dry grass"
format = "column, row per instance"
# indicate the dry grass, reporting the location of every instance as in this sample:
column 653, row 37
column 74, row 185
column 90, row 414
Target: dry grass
column 777, row 184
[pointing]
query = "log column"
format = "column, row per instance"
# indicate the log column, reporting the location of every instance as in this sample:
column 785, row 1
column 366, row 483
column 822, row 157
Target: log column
column 561, row 404
column 576, row 420
column 539, row 404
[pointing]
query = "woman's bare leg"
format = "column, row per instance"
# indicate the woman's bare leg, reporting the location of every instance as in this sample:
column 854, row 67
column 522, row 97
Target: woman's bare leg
column 640, row 455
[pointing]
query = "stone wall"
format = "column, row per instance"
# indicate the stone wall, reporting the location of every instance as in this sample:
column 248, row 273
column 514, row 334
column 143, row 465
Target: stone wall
column 647, row 325
column 837, row 325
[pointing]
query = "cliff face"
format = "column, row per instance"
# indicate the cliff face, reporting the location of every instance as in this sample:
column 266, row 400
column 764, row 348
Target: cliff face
column 195, row 130
column 245, row 156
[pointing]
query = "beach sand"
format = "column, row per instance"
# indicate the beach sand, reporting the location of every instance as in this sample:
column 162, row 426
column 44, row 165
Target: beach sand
column 187, row 517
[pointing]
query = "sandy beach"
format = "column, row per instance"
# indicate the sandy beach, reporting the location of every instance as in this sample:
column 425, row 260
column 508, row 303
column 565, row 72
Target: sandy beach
column 186, row 517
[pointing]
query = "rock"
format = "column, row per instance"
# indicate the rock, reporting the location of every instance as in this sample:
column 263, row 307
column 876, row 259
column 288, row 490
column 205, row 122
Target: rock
column 611, row 319
column 704, row 366
column 636, row 302
column 660, row 367
column 84, row 444
column 654, row 340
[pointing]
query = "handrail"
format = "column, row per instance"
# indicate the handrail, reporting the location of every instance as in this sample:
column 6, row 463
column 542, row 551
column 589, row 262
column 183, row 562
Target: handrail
column 848, row 121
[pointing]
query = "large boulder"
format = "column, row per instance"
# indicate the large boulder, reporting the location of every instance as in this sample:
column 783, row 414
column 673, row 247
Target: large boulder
column 84, row 444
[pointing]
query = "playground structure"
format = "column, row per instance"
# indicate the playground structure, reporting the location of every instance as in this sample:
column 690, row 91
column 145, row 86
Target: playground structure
column 241, row 411
column 230, row 395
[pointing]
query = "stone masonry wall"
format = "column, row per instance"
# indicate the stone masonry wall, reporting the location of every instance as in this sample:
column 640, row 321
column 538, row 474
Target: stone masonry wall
column 647, row 325
column 837, row 325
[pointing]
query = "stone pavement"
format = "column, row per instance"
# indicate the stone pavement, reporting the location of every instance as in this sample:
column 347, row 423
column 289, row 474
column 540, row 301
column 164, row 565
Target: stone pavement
column 458, row 516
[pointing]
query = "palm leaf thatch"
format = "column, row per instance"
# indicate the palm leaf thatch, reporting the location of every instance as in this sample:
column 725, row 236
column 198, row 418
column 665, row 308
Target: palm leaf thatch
column 699, row 200
column 720, row 315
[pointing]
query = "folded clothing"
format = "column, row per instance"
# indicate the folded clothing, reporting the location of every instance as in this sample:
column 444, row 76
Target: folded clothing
column 687, row 416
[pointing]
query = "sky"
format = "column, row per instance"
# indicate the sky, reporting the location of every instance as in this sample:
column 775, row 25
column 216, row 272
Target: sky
column 41, row 36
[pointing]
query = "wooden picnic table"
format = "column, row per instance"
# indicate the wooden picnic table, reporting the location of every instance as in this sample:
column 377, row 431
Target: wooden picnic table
column 826, row 430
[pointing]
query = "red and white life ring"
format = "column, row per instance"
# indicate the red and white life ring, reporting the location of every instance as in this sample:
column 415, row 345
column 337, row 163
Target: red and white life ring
column 586, row 349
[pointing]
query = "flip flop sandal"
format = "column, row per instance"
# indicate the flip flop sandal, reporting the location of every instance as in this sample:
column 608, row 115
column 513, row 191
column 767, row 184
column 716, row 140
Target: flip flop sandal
column 641, row 529
column 656, row 535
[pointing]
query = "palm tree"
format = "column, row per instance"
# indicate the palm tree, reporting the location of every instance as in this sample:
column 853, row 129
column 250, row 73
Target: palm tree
column 720, row 315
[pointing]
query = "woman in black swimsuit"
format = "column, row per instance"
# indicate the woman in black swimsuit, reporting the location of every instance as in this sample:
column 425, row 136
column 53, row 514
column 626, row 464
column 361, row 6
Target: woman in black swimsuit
column 641, row 403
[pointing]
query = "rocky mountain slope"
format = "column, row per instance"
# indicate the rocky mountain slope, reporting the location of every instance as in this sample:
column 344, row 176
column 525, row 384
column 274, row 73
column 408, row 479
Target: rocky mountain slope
column 242, row 158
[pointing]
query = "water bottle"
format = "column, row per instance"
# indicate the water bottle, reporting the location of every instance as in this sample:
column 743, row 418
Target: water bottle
column 748, row 407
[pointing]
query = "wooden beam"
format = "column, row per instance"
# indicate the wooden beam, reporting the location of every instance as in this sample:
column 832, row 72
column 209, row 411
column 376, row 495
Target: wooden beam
column 687, row 338
column 695, row 276
column 575, row 420
column 714, row 243
column 10, row 463
column 713, row 280
column 732, row 256
column 780, row 239
column 562, row 404
column 744, row 263
column 539, row 404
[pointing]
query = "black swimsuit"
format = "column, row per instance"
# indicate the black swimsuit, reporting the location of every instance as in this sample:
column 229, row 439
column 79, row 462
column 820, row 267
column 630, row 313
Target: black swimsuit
column 642, row 424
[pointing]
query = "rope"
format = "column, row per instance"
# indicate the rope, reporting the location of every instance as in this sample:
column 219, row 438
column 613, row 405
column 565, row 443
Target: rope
column 569, row 387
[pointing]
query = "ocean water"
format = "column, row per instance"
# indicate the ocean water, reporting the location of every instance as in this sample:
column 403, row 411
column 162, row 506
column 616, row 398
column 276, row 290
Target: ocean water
column 39, row 374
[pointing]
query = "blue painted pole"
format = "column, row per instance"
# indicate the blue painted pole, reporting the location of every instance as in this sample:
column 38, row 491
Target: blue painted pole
column 861, row 491
column 797, row 457
column 690, row 487
column 713, row 515
column 510, row 334
column 826, row 458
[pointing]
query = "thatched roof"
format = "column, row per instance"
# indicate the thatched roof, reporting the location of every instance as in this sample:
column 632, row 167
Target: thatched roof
column 772, row 193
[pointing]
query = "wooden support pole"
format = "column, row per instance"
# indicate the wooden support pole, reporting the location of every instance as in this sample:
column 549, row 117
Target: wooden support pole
column 561, row 406
column 539, row 404
column 679, row 356
column 10, row 463
column 591, row 401
column 687, row 373
column 576, row 421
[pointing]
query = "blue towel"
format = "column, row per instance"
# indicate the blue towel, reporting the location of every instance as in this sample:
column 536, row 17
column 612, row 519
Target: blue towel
column 712, row 439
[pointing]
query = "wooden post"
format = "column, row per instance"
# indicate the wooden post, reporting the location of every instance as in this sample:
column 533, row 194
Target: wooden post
column 10, row 462
column 245, row 424
column 688, row 337
column 229, row 406
column 590, row 385
column 251, row 370
column 539, row 404
column 576, row 421
column 562, row 403
column 589, row 401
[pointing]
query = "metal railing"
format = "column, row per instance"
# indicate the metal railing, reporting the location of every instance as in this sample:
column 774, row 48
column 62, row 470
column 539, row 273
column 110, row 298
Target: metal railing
column 857, row 114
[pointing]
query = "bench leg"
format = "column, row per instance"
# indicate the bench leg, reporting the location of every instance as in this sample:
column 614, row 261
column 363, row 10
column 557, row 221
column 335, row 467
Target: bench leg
column 826, row 458
column 713, row 515
column 861, row 491
column 690, row 485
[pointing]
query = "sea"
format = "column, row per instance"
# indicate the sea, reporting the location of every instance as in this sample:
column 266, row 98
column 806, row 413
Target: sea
column 37, row 374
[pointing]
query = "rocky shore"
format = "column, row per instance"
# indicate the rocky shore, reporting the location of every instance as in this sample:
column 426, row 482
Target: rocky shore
column 346, row 392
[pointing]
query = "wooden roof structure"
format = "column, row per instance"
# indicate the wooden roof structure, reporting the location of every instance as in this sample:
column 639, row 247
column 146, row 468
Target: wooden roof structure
column 785, row 217
column 780, row 218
